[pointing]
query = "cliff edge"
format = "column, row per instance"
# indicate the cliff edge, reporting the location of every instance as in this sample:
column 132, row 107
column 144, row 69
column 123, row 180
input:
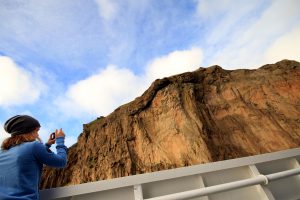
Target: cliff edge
column 207, row 115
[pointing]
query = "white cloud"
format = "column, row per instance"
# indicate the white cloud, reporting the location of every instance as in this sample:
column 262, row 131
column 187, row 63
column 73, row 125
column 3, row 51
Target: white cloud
column 70, row 140
column 224, row 17
column 285, row 47
column 209, row 9
column 3, row 134
column 99, row 94
column 107, row 9
column 17, row 86
column 248, row 40
column 103, row 92
column 174, row 63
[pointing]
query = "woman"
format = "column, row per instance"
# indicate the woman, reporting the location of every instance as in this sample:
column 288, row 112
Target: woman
column 22, row 158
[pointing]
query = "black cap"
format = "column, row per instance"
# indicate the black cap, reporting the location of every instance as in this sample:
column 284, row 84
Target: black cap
column 21, row 124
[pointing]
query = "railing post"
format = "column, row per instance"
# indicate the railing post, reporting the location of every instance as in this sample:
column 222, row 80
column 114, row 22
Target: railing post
column 267, row 192
column 138, row 192
column 202, row 185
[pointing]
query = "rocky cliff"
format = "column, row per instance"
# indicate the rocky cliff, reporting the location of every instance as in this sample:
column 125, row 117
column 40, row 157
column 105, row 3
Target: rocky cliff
column 207, row 115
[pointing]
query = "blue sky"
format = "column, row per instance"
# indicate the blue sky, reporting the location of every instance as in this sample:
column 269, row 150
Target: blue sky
column 66, row 62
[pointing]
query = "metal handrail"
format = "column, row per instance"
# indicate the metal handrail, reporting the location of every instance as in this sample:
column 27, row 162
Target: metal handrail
column 260, row 179
column 142, row 179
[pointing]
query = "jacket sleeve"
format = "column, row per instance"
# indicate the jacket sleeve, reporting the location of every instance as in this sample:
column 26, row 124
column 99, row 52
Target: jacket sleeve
column 51, row 159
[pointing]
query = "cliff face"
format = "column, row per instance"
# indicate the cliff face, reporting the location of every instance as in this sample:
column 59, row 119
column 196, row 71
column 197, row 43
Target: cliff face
column 207, row 115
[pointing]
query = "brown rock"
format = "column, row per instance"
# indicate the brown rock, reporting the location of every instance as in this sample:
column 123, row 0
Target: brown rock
column 197, row 117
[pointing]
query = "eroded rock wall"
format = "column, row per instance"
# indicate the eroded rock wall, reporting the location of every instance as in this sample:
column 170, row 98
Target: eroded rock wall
column 207, row 115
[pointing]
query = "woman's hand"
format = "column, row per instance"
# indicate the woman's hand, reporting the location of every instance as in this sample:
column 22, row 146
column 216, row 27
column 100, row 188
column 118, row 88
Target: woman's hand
column 59, row 133
column 51, row 140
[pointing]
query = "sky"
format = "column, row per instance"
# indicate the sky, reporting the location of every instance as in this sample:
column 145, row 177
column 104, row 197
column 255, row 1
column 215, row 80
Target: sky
column 67, row 62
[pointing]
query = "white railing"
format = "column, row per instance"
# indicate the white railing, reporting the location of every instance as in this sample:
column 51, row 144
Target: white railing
column 267, row 176
column 260, row 179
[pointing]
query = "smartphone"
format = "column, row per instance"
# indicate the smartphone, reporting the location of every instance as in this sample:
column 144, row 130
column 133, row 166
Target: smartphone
column 52, row 136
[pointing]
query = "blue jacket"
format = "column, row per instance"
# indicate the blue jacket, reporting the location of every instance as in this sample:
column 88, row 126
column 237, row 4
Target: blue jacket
column 21, row 168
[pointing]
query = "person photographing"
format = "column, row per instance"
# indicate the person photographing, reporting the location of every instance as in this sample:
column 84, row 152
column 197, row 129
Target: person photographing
column 22, row 157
